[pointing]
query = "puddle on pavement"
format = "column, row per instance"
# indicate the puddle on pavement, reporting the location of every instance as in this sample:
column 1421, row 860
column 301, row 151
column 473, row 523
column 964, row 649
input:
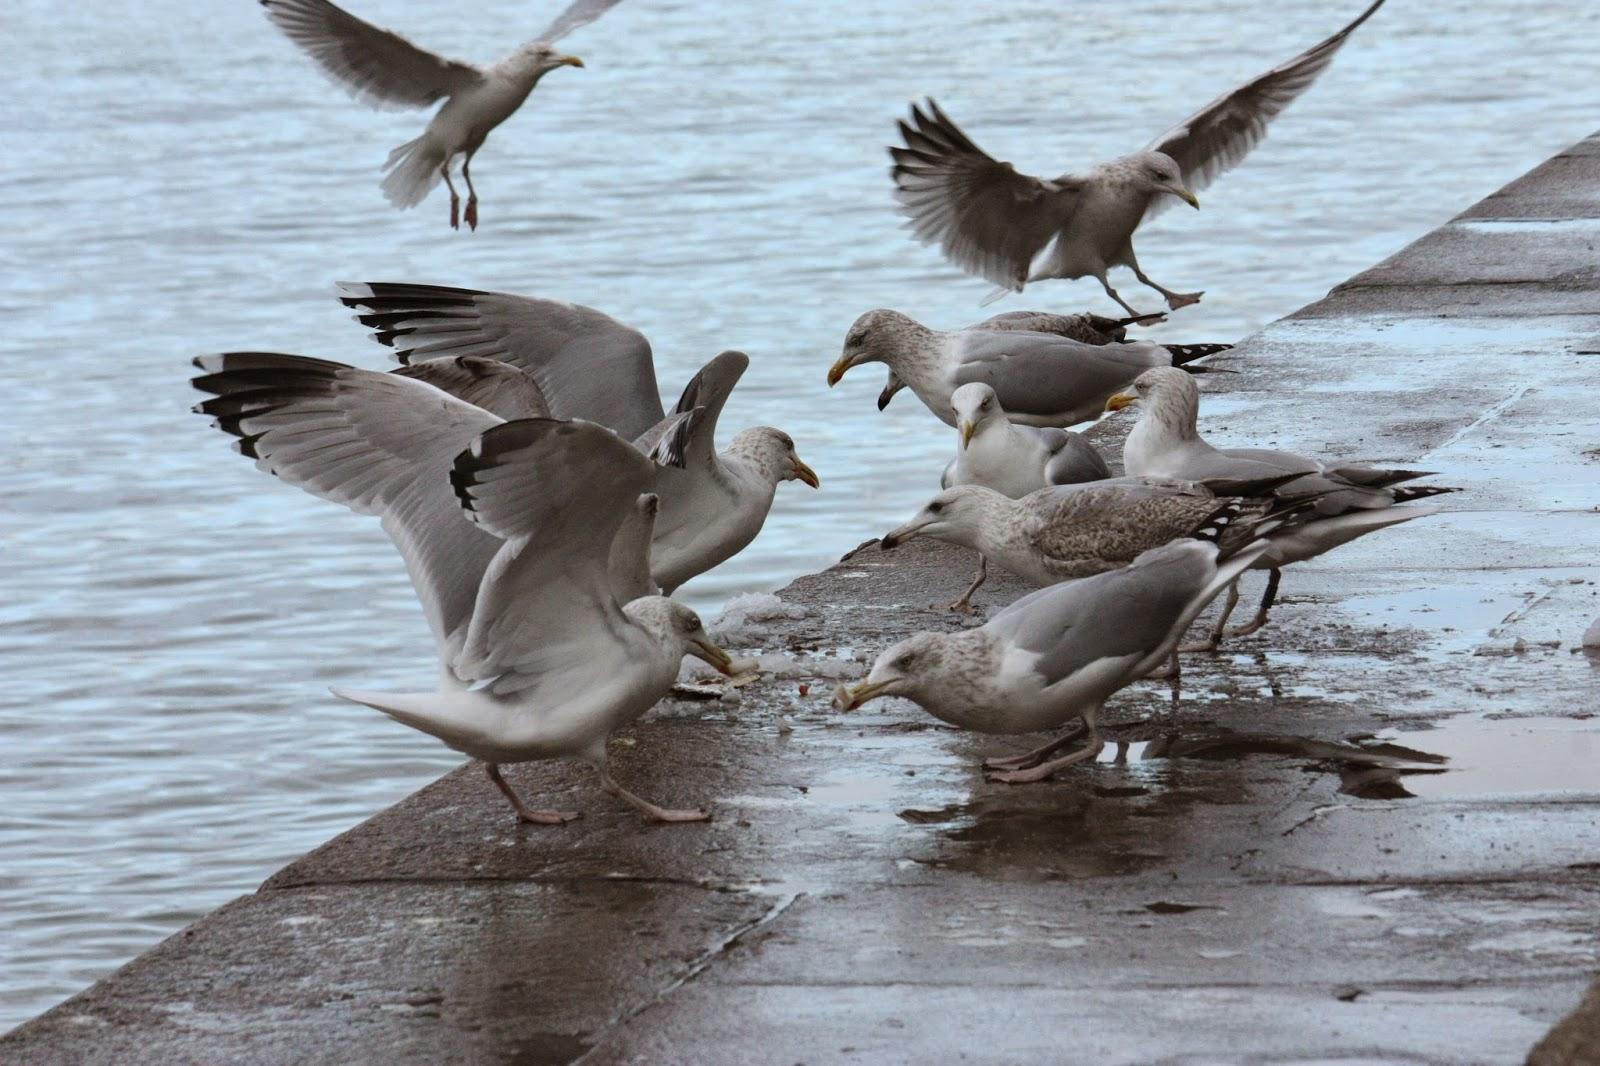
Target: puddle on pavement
column 1509, row 757
column 1464, row 616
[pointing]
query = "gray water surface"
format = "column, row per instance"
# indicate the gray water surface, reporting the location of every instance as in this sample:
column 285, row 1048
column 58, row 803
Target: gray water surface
column 178, row 180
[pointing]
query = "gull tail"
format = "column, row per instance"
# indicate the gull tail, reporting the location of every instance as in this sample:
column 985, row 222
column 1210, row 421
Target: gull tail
column 413, row 171
column 999, row 292
column 1188, row 353
column 459, row 718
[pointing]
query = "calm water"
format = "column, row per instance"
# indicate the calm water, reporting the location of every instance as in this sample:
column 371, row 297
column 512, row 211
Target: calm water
column 182, row 182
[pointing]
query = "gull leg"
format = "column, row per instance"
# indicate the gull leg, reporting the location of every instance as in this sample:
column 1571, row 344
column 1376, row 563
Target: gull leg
column 964, row 604
column 1043, row 771
column 472, row 194
column 1037, row 755
column 1273, row 577
column 455, row 200
column 523, row 813
column 1175, row 300
column 1106, row 285
column 642, row 805
column 1213, row 640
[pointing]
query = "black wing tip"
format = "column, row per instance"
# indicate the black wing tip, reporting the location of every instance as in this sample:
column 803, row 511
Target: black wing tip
column 1216, row 524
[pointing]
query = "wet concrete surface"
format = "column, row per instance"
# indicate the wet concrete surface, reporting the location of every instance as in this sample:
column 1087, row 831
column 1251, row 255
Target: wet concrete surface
column 1367, row 834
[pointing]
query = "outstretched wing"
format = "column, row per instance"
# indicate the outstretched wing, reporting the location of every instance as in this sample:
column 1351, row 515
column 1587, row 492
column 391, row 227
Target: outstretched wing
column 378, row 443
column 1218, row 136
column 586, row 363
column 497, row 387
column 987, row 218
column 377, row 67
column 688, row 435
column 578, row 14
column 556, row 493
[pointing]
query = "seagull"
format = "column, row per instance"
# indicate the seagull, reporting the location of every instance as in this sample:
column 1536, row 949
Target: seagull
column 994, row 222
column 1042, row 378
column 384, row 69
column 1059, row 653
column 589, row 366
column 1352, row 499
column 1070, row 531
column 527, row 543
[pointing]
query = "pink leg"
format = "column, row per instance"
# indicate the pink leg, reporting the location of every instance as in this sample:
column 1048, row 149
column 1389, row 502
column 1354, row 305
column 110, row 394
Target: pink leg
column 1037, row 755
column 523, row 813
column 645, row 807
column 455, row 200
column 1043, row 770
column 472, row 194
column 964, row 604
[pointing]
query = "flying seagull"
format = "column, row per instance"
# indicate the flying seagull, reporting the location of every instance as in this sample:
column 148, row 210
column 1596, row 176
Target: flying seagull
column 527, row 543
column 1352, row 500
column 384, row 69
column 994, row 222
column 1042, row 377
column 1058, row 654
column 587, row 365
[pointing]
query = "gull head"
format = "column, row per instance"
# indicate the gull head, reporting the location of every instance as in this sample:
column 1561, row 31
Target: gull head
column 976, row 406
column 912, row 668
column 541, row 58
column 1159, row 387
column 954, row 516
column 772, row 452
column 870, row 340
column 677, row 626
column 1159, row 173
column 890, row 387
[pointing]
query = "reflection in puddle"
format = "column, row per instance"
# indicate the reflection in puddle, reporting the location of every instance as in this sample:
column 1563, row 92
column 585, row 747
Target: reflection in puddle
column 1512, row 756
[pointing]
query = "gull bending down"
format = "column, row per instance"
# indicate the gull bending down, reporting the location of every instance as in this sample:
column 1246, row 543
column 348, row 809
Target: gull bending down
column 589, row 366
column 1041, row 378
column 994, row 222
column 1058, row 654
column 539, row 597
column 383, row 69
column 1351, row 499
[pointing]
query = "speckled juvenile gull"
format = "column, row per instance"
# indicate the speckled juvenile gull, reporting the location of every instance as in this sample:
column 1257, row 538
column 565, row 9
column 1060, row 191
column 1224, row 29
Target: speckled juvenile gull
column 1352, row 499
column 538, row 593
column 1041, row 378
column 994, row 222
column 384, row 69
column 588, row 365
column 1057, row 654
column 1070, row 531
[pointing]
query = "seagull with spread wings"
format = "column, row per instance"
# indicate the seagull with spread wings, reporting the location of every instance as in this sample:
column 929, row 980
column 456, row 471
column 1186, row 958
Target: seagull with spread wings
column 384, row 69
column 994, row 222
column 527, row 542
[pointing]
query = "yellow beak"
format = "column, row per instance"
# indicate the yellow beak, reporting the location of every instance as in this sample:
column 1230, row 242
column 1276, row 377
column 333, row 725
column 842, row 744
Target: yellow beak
column 836, row 371
column 805, row 474
column 571, row 61
column 846, row 698
column 1121, row 400
column 967, row 430
column 721, row 660
column 1187, row 197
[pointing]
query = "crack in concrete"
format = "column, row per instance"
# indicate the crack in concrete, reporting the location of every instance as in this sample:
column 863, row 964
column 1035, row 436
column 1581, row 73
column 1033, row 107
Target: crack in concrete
column 1488, row 416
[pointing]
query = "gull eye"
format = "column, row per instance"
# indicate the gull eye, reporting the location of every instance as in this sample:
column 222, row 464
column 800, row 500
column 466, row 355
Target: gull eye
column 905, row 661
column 935, row 507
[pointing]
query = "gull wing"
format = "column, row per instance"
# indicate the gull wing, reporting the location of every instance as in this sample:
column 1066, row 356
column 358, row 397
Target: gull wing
column 688, row 435
column 556, row 493
column 1045, row 375
column 379, row 444
column 1218, row 136
column 578, row 14
column 497, row 387
column 378, row 67
column 986, row 217
column 587, row 364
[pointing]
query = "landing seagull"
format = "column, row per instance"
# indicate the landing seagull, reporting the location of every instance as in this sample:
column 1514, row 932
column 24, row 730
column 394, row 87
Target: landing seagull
column 994, row 222
column 588, row 365
column 540, row 599
column 384, row 69
column 1058, row 654
column 1352, row 499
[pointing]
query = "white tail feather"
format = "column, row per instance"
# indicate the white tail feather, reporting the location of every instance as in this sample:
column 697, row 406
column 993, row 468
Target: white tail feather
column 999, row 292
column 413, row 171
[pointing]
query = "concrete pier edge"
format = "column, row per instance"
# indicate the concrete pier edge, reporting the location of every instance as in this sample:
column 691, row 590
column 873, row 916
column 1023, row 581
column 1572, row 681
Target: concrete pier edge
column 864, row 896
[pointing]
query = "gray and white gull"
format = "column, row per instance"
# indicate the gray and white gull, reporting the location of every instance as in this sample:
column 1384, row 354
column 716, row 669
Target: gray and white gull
column 1352, row 499
column 527, row 543
column 996, row 223
column 1040, row 376
column 1059, row 653
column 384, row 69
column 590, row 366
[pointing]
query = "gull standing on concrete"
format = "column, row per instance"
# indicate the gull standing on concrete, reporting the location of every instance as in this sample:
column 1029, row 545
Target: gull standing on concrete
column 1351, row 499
column 588, row 365
column 1042, row 378
column 994, row 222
column 384, row 69
column 1058, row 654
column 539, row 598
